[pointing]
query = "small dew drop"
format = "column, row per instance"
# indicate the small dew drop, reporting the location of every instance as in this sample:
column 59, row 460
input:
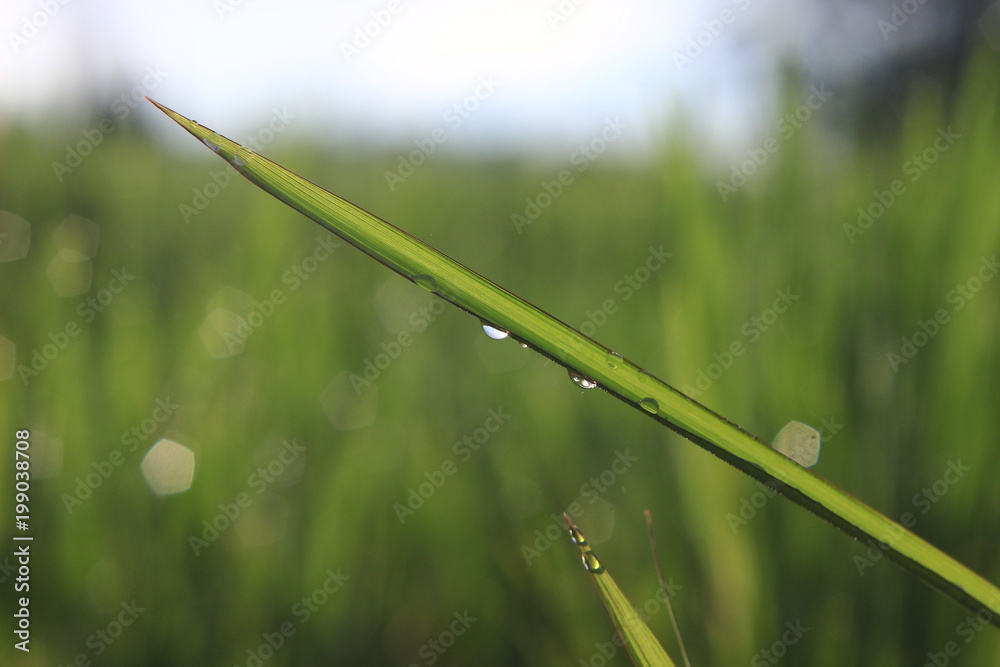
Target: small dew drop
column 210, row 143
column 591, row 562
column 614, row 360
column 581, row 380
column 426, row 282
column 241, row 158
column 524, row 345
column 494, row 333
column 649, row 405
column 577, row 536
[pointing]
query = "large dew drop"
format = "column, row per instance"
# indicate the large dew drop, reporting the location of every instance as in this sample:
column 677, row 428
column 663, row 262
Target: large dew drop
column 581, row 380
column 649, row 405
column 591, row 562
column 494, row 332
column 426, row 282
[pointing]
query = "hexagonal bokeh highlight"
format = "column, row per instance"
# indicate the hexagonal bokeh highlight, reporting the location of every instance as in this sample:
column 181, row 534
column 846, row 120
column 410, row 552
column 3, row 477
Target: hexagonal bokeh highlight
column 220, row 333
column 70, row 273
column 265, row 521
column 348, row 405
column 168, row 467
column 46, row 454
column 15, row 236
column 799, row 442
column 225, row 329
column 596, row 517
column 78, row 235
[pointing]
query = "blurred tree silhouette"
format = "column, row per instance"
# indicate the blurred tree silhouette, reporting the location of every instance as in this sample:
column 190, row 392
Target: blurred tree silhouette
column 878, row 56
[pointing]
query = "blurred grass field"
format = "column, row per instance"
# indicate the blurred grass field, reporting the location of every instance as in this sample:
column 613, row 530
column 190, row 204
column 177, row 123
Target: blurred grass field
column 480, row 546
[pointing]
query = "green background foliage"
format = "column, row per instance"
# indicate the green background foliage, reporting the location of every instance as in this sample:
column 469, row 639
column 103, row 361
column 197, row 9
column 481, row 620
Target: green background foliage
column 890, row 434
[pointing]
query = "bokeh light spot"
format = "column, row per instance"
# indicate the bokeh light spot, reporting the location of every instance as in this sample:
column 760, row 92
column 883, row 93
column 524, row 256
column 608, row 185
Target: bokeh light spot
column 350, row 401
column 168, row 467
column 799, row 442
column 15, row 236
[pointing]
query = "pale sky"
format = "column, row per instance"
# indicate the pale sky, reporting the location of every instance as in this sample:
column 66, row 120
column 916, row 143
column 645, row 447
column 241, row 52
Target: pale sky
column 545, row 75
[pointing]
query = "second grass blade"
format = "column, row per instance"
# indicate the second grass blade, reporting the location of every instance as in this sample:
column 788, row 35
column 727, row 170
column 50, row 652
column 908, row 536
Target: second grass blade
column 636, row 637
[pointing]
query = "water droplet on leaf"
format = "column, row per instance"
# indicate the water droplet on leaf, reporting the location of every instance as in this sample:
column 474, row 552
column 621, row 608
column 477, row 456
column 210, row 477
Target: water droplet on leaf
column 581, row 380
column 614, row 360
column 212, row 142
column 649, row 405
column 494, row 332
column 242, row 157
column 426, row 282
column 591, row 562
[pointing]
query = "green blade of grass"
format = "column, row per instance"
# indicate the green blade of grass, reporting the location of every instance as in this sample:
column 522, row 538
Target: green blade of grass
column 526, row 323
column 638, row 639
